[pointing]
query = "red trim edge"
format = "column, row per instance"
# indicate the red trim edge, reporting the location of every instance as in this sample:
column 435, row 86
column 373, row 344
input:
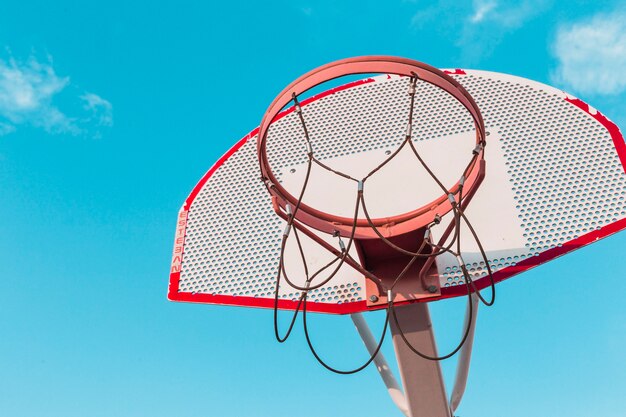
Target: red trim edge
column 242, row 301
column 616, row 135
column 456, row 71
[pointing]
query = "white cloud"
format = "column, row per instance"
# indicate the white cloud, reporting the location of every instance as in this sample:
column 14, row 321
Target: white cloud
column 27, row 94
column 481, row 9
column 592, row 54
column 509, row 16
column 101, row 109
column 477, row 28
column 490, row 22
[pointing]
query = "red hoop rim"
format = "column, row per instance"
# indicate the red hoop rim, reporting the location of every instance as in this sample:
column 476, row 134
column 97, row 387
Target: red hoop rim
column 397, row 224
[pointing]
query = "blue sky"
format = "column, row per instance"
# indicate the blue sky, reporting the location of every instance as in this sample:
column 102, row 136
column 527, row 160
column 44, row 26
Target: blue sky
column 110, row 113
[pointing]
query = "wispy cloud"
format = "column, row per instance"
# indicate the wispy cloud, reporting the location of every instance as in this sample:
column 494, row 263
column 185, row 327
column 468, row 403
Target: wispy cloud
column 491, row 21
column 28, row 91
column 477, row 28
column 509, row 15
column 101, row 110
column 481, row 9
column 591, row 54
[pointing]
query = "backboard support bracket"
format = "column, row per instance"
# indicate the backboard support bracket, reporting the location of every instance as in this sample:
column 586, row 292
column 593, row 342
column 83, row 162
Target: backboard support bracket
column 384, row 262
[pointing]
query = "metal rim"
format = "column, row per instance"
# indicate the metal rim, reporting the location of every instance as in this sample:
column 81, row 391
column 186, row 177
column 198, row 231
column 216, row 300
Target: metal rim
column 402, row 223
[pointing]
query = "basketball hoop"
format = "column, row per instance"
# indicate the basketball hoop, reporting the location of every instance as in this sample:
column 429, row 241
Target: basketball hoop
column 365, row 228
column 396, row 251
column 407, row 235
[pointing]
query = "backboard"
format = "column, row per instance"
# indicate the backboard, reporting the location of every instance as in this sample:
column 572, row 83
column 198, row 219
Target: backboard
column 555, row 181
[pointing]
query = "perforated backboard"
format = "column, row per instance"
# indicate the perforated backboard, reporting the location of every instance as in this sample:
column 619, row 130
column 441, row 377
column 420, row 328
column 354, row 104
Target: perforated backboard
column 555, row 181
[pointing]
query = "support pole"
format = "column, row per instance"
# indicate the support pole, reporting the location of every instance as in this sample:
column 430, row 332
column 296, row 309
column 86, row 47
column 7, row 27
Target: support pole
column 395, row 392
column 462, row 368
column 422, row 379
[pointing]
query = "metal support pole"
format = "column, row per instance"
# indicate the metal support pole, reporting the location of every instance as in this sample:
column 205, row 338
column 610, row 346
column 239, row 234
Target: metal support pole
column 395, row 392
column 422, row 379
column 462, row 368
